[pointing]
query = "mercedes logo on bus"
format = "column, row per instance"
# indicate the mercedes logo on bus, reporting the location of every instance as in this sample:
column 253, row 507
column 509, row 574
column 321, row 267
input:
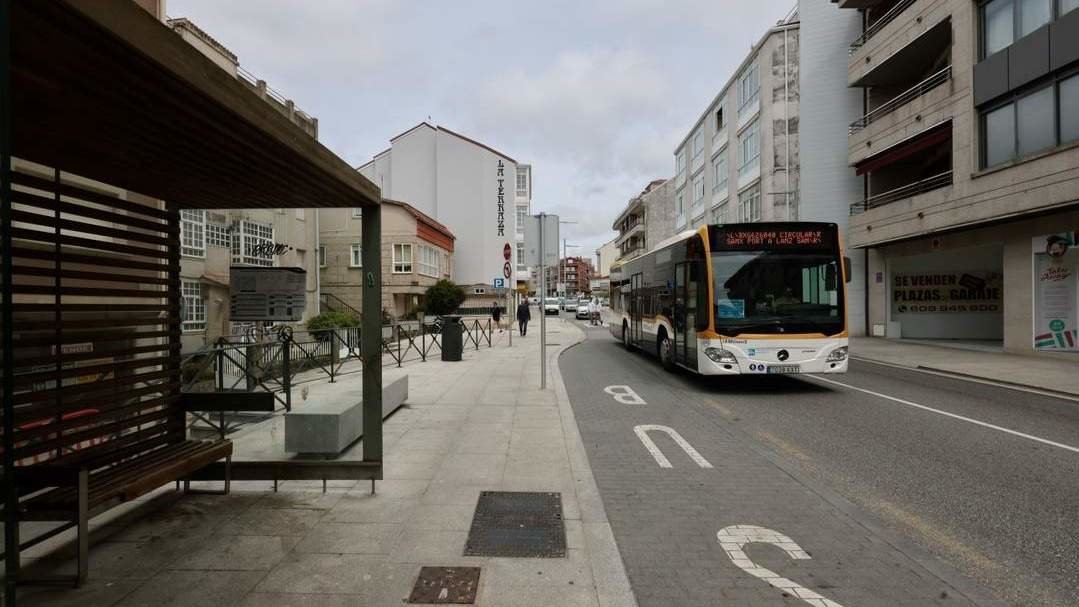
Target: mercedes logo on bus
column 783, row 355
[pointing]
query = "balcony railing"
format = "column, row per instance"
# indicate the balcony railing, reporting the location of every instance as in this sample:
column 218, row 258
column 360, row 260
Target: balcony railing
column 901, row 99
column 875, row 27
column 911, row 189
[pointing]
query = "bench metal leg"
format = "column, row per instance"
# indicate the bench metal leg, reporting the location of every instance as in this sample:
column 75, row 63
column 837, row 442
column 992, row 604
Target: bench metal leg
column 225, row 491
column 84, row 527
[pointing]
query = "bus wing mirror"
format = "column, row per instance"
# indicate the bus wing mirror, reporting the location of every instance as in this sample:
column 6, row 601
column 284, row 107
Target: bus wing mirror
column 846, row 268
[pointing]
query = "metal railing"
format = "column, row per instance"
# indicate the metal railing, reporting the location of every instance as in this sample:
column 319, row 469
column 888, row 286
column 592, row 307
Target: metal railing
column 875, row 27
column 286, row 358
column 901, row 99
column 334, row 303
column 912, row 189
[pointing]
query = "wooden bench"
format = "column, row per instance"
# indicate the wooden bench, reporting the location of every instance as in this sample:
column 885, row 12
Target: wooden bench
column 88, row 481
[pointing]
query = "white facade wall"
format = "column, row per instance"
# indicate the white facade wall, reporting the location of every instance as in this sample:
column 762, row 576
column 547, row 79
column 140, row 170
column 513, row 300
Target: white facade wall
column 455, row 181
column 828, row 106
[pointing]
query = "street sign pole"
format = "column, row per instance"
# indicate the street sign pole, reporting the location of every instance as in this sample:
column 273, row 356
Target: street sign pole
column 543, row 306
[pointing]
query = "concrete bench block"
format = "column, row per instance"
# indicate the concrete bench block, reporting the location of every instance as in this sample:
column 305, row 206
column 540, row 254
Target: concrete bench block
column 330, row 426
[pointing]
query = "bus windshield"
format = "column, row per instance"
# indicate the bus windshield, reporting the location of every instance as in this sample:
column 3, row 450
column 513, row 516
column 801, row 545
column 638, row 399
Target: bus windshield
column 777, row 292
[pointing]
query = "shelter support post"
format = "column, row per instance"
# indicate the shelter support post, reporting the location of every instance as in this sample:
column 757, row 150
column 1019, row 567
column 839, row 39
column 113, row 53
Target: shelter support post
column 371, row 341
column 11, row 496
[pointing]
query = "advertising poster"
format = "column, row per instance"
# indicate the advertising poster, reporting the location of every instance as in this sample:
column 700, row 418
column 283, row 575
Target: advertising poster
column 1056, row 272
column 948, row 292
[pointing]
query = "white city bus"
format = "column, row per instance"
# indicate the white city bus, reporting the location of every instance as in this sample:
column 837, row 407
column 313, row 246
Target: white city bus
column 733, row 299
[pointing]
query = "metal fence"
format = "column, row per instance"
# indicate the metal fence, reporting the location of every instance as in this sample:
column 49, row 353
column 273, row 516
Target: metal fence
column 284, row 358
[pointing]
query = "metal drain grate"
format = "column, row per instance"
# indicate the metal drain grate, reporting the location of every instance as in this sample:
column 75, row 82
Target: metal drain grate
column 517, row 524
column 446, row 586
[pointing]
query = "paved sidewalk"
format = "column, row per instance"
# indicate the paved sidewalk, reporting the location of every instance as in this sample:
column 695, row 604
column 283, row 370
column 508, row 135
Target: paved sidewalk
column 1058, row 374
column 480, row 424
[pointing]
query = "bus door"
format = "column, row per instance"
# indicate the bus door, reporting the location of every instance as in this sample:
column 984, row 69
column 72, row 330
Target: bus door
column 636, row 309
column 685, row 314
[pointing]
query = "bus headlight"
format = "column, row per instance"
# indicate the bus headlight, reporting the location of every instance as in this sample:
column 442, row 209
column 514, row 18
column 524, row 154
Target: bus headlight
column 720, row 355
column 837, row 355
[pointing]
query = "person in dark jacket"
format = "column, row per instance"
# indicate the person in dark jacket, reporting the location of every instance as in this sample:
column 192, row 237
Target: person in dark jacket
column 523, row 316
column 496, row 314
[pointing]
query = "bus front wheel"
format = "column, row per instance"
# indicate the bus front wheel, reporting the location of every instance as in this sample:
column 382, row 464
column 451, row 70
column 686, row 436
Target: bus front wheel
column 666, row 352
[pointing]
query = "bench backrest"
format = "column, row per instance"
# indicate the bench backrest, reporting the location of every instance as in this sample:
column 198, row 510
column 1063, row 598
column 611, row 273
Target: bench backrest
column 96, row 301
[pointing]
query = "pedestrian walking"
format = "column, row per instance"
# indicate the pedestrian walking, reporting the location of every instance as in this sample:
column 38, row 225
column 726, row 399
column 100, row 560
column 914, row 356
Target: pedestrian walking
column 496, row 314
column 523, row 316
column 593, row 311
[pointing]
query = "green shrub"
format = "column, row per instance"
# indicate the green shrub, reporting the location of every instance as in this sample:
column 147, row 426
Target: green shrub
column 443, row 297
column 320, row 325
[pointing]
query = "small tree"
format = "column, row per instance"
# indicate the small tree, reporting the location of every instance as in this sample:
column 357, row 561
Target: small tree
column 443, row 297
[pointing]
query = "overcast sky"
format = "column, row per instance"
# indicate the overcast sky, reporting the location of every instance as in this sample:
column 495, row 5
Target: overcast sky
column 594, row 94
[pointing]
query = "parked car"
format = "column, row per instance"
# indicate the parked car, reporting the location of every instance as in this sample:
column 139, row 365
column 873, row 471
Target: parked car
column 533, row 301
column 582, row 309
column 570, row 305
column 550, row 306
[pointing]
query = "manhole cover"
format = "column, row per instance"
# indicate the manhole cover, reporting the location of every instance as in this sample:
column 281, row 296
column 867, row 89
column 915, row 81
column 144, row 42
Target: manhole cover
column 517, row 524
column 446, row 586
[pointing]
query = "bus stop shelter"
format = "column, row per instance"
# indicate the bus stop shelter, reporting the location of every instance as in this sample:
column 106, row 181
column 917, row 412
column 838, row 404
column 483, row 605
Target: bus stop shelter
column 98, row 92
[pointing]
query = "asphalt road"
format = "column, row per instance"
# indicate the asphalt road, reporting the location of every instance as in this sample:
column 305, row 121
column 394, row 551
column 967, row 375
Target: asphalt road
column 980, row 478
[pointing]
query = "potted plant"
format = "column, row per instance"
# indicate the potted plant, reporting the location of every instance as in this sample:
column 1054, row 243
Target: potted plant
column 442, row 299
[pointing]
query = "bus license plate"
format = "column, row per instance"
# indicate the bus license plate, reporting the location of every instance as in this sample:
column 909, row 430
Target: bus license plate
column 784, row 369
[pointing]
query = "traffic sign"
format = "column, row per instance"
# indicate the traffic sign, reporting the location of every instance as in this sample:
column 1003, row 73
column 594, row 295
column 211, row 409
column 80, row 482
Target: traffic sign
column 499, row 283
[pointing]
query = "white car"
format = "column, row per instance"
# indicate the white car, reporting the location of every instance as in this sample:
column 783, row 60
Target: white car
column 533, row 301
column 550, row 306
column 582, row 310
column 570, row 305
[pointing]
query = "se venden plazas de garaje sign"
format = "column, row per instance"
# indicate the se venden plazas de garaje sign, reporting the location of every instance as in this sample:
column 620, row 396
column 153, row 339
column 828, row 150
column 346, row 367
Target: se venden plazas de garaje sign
column 948, row 292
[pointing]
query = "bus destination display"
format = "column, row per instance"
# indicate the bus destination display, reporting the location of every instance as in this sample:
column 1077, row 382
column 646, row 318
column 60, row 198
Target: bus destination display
column 772, row 239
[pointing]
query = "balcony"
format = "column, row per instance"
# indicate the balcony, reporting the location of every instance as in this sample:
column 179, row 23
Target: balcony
column 908, row 191
column 879, row 24
column 901, row 47
column 902, row 99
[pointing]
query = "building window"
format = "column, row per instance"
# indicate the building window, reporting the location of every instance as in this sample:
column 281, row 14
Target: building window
column 698, row 143
column 402, row 259
column 748, row 88
column 1005, row 21
column 1031, row 122
column 698, row 195
column 193, row 233
column 522, row 215
column 428, row 261
column 194, row 318
column 749, row 204
column 719, row 115
column 749, row 145
column 521, row 267
column 357, row 212
column 321, row 256
column 217, row 235
column 522, row 182
column 446, row 265
column 719, row 214
column 300, row 214
column 253, row 244
column 680, row 163
column 680, row 208
column 355, row 259
column 719, row 172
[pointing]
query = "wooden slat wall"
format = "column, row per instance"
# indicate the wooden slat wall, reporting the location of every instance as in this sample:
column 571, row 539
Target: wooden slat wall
column 97, row 322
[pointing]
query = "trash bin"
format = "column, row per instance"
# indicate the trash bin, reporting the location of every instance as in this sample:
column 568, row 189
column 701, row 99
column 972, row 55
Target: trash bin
column 452, row 338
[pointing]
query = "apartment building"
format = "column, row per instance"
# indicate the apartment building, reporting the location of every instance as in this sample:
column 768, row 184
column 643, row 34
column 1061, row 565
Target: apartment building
column 605, row 256
column 417, row 252
column 968, row 147
column 739, row 161
column 648, row 218
column 575, row 272
column 213, row 241
column 468, row 187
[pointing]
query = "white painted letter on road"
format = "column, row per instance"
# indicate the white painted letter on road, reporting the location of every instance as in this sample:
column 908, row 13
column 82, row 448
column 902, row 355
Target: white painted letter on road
column 624, row 395
column 642, row 433
column 733, row 539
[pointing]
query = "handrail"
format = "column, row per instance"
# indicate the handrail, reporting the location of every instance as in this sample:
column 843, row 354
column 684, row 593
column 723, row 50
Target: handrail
column 332, row 302
column 879, row 24
column 901, row 99
column 911, row 189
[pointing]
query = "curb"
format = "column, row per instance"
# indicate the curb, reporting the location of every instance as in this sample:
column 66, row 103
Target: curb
column 608, row 574
column 1011, row 385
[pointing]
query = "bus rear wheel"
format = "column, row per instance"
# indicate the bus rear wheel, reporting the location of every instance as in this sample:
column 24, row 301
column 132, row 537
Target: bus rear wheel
column 666, row 352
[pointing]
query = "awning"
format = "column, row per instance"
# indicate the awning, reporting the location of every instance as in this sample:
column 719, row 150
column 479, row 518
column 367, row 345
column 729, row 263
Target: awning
column 906, row 148
column 103, row 89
